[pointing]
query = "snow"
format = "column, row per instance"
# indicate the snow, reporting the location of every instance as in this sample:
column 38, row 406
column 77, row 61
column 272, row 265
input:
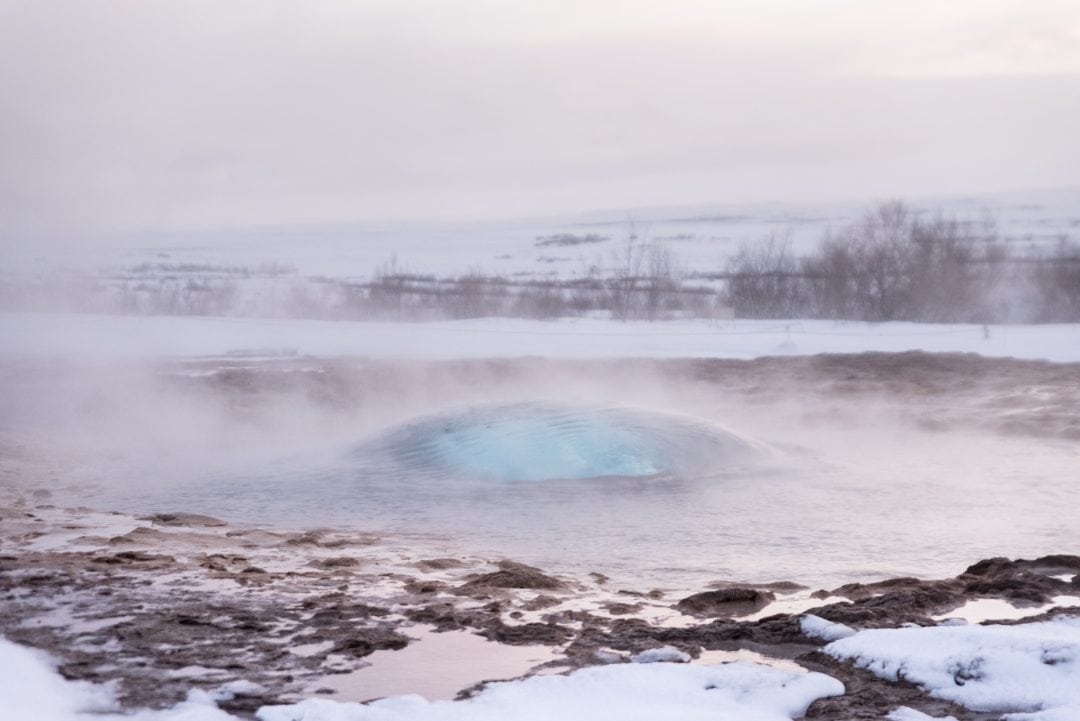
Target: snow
column 30, row 687
column 663, row 654
column 1029, row 671
column 629, row 692
column 199, row 706
column 909, row 714
column 702, row 235
column 239, row 687
column 113, row 337
column 817, row 627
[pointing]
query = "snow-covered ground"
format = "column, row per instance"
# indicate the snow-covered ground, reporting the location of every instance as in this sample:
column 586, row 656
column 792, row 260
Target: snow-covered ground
column 1026, row 672
column 101, row 337
column 30, row 688
column 534, row 267
column 701, row 236
column 1029, row 672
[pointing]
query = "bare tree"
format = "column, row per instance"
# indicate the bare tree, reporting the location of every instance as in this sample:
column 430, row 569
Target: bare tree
column 764, row 279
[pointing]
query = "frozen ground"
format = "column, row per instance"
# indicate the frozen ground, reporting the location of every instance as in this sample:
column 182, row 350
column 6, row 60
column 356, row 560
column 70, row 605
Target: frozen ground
column 533, row 268
column 703, row 237
column 248, row 622
column 1023, row 672
column 1027, row 671
column 31, row 688
column 102, row 338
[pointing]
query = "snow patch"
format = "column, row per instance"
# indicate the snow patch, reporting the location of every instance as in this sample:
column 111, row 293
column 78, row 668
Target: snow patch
column 1030, row 671
column 904, row 713
column 667, row 654
column 818, row 627
column 628, row 692
column 111, row 337
column 31, row 688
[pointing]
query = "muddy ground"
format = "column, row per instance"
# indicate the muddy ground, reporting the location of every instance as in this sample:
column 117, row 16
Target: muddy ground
column 171, row 602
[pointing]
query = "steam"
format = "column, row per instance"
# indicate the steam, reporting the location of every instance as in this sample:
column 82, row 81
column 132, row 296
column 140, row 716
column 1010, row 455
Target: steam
column 876, row 478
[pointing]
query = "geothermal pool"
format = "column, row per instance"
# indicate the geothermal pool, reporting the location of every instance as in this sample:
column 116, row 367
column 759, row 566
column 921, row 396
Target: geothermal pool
column 533, row 442
column 667, row 499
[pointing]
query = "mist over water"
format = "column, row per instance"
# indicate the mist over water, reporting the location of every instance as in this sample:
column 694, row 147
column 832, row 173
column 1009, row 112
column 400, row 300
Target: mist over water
column 651, row 475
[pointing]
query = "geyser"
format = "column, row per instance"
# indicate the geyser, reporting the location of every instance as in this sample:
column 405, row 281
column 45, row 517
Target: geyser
column 536, row 441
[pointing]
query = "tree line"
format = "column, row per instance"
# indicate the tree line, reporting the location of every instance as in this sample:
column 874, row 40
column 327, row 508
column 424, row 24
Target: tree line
column 895, row 264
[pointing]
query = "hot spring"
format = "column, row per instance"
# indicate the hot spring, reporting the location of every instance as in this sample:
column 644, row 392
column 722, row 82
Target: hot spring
column 537, row 442
column 719, row 480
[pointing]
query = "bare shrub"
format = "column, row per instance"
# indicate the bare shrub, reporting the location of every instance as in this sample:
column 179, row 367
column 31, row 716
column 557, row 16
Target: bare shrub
column 1055, row 280
column 764, row 279
column 893, row 264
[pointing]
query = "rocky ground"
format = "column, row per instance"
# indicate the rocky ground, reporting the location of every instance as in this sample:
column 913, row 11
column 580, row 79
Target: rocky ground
column 170, row 602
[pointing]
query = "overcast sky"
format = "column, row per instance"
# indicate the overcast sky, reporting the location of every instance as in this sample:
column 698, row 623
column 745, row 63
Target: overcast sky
column 129, row 115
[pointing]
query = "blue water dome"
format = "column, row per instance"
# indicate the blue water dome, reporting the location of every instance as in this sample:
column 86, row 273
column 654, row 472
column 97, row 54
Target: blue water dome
column 542, row 441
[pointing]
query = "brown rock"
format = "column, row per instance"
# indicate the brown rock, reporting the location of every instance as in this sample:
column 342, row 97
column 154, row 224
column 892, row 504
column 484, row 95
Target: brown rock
column 725, row 602
column 194, row 520
column 514, row 575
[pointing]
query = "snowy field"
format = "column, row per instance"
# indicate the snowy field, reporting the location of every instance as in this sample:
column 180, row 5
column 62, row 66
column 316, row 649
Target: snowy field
column 1025, row 672
column 1028, row 672
column 630, row 692
column 701, row 236
column 105, row 338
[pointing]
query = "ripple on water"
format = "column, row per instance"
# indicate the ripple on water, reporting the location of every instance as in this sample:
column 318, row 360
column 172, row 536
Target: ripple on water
column 537, row 441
